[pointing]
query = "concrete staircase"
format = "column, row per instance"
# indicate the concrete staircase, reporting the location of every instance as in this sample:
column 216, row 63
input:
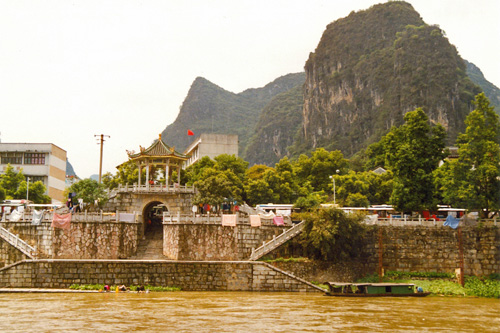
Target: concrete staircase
column 151, row 247
column 277, row 241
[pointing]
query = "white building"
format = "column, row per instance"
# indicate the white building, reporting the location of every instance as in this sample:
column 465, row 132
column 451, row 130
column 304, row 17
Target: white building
column 43, row 162
column 211, row 145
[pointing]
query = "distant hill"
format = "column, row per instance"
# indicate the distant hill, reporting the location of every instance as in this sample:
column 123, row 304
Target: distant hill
column 210, row 109
column 490, row 90
column 69, row 169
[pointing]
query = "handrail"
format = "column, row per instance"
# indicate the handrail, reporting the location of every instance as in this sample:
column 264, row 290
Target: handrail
column 277, row 241
column 156, row 188
column 18, row 243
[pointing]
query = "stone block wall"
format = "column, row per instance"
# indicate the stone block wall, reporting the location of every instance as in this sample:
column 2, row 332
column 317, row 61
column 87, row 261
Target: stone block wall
column 9, row 254
column 436, row 249
column 408, row 249
column 95, row 240
column 190, row 276
column 84, row 240
column 212, row 241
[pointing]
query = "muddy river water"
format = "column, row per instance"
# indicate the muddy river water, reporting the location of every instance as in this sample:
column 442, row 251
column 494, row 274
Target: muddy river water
column 242, row 312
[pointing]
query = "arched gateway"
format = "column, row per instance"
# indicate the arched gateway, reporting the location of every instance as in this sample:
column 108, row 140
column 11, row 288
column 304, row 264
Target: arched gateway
column 159, row 193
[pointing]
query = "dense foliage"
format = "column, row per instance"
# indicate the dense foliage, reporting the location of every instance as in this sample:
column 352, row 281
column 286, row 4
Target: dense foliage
column 413, row 151
column 332, row 235
column 473, row 180
column 14, row 185
column 92, row 193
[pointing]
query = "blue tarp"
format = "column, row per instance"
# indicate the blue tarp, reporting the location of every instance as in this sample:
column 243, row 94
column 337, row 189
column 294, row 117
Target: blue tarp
column 452, row 222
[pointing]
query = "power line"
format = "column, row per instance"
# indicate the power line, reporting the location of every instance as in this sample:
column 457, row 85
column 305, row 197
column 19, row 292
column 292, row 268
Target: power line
column 101, row 142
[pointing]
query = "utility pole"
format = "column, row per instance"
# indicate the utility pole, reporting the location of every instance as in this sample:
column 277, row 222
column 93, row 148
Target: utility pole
column 101, row 142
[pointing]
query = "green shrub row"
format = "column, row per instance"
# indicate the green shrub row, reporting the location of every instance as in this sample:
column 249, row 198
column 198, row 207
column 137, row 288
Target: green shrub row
column 113, row 288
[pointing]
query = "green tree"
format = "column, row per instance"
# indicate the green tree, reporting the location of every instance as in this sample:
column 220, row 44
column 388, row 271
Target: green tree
column 230, row 162
column 258, row 191
column 215, row 186
column 332, row 235
column 89, row 190
column 10, row 181
column 317, row 169
column 257, row 171
column 363, row 188
column 194, row 171
column 3, row 194
column 413, row 151
column 36, row 192
column 311, row 201
column 127, row 174
column 473, row 180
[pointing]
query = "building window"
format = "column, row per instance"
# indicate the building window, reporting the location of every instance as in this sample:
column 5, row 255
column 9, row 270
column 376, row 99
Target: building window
column 34, row 158
column 34, row 179
column 12, row 158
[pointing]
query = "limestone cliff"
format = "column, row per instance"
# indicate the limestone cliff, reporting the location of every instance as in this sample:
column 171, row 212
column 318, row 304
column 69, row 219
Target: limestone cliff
column 372, row 67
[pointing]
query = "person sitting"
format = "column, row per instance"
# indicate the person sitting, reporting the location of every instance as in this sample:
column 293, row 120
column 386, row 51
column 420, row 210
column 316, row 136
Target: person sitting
column 123, row 288
column 140, row 289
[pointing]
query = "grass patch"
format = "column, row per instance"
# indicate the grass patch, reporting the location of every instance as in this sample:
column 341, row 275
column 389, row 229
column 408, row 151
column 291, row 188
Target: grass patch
column 113, row 288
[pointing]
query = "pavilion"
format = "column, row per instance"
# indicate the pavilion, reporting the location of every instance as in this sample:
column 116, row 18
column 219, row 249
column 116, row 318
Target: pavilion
column 158, row 154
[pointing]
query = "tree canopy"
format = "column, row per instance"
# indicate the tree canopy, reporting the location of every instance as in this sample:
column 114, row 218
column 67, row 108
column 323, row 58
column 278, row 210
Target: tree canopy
column 413, row 151
column 473, row 180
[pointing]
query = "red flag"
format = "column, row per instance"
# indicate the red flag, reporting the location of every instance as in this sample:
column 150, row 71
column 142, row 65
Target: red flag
column 190, row 132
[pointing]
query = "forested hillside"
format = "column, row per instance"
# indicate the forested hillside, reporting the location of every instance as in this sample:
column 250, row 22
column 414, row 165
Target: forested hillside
column 210, row 109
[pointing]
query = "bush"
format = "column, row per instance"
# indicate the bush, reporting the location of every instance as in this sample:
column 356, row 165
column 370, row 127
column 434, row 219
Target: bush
column 332, row 235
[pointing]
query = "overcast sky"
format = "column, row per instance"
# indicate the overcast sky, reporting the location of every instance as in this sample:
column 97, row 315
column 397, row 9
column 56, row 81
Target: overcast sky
column 72, row 69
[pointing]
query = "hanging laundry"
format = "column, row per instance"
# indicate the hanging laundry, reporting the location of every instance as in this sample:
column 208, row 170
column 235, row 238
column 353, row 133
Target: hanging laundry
column 62, row 221
column 452, row 222
column 229, row 220
column 255, row 221
column 37, row 217
column 278, row 220
column 15, row 216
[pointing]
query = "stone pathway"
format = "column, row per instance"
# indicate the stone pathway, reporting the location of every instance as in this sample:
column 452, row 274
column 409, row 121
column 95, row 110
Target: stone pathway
column 150, row 248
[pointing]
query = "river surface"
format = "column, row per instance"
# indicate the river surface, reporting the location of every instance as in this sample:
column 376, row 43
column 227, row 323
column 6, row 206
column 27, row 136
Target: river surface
column 242, row 312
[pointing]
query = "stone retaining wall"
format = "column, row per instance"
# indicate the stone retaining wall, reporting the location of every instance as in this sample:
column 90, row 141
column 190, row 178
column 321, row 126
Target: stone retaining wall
column 436, row 249
column 214, row 241
column 84, row 240
column 408, row 249
column 206, row 275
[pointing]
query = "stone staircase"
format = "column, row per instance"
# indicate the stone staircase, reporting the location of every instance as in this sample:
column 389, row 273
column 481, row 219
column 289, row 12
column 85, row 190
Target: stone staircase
column 277, row 241
column 18, row 243
column 151, row 247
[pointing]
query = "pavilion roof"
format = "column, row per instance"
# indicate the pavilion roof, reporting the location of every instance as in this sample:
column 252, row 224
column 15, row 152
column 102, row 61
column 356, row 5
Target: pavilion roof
column 158, row 149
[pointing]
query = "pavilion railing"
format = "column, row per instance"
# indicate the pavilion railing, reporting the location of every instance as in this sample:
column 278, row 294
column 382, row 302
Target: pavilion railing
column 153, row 188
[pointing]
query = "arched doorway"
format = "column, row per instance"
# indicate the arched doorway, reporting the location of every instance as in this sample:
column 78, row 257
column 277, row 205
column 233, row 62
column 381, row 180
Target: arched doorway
column 153, row 219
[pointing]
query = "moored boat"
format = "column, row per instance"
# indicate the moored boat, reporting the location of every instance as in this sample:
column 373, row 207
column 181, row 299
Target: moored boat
column 374, row 290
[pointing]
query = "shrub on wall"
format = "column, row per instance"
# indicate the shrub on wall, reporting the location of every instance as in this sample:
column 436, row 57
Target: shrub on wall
column 332, row 235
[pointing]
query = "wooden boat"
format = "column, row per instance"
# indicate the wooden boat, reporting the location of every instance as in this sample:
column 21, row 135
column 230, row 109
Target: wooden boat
column 374, row 290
